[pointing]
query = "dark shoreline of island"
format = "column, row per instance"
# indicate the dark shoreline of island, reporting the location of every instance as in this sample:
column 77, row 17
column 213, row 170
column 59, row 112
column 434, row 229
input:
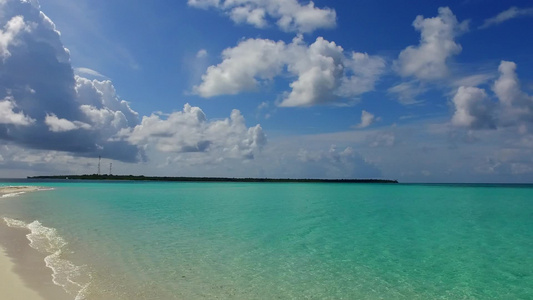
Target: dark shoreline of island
column 204, row 179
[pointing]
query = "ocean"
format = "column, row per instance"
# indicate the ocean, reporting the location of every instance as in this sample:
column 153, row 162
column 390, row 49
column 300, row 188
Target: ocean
column 201, row 240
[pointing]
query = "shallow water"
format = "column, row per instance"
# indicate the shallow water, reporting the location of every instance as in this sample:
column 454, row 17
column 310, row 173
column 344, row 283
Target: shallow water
column 140, row 240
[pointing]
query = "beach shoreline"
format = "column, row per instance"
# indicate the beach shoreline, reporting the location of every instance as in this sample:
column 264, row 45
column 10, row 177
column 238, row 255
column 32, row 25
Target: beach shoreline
column 23, row 272
column 13, row 190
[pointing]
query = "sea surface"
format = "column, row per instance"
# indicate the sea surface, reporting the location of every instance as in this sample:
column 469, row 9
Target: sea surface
column 162, row 240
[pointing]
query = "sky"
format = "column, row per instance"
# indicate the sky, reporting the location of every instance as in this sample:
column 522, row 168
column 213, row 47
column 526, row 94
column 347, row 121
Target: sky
column 418, row 91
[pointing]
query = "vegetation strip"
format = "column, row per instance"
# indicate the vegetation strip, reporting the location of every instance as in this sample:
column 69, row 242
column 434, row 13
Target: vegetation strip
column 207, row 179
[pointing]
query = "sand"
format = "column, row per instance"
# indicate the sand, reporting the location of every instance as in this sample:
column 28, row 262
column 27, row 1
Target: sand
column 11, row 284
column 6, row 191
column 23, row 272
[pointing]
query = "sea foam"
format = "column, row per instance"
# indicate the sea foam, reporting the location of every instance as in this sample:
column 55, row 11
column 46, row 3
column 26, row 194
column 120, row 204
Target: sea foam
column 72, row 278
column 11, row 195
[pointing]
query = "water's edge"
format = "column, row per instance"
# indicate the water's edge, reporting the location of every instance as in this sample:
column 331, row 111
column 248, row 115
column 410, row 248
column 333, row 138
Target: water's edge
column 29, row 263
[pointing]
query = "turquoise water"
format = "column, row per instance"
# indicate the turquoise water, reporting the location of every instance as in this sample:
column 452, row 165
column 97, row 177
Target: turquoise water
column 134, row 240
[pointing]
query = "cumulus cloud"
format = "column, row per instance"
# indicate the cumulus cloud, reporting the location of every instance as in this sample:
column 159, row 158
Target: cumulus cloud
column 56, row 124
column 190, row 131
column 516, row 105
column 367, row 119
column 59, row 111
column 9, row 34
column 100, row 102
column 323, row 72
column 242, row 67
column 48, row 106
column 319, row 71
column 289, row 15
column 427, row 61
column 9, row 116
column 472, row 108
column 511, row 13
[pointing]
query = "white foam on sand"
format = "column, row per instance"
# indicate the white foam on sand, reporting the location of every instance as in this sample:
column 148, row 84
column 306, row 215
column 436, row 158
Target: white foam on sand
column 73, row 279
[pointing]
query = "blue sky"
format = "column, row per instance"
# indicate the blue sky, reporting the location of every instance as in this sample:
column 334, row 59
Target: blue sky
column 419, row 91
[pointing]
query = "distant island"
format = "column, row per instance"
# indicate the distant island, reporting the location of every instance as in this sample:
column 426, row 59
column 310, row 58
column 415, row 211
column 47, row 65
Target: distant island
column 203, row 179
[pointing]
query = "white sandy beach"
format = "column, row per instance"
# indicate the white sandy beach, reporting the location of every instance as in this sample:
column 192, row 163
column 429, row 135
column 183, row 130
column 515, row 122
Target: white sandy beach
column 23, row 273
column 11, row 285
column 14, row 190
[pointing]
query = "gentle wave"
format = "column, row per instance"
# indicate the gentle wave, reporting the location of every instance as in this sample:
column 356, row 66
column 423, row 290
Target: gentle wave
column 73, row 279
column 11, row 195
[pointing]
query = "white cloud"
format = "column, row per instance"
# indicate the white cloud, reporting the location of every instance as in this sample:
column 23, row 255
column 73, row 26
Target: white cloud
column 367, row 119
column 104, row 117
column 507, row 86
column 516, row 105
column 289, row 15
column 86, row 117
column 241, row 65
column 250, row 15
column 362, row 72
column 35, row 3
column 204, row 3
column 324, row 73
column 472, row 108
column 427, row 61
column 43, row 91
column 99, row 101
column 319, row 69
column 407, row 92
column 190, row 131
column 264, row 110
column 56, row 124
column 9, row 116
column 263, row 105
column 88, row 72
column 511, row 13
column 8, row 36
column 473, row 80
column 201, row 53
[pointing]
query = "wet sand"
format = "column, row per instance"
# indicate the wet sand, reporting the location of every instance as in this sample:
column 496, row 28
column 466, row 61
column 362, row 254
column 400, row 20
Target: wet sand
column 11, row 285
column 23, row 272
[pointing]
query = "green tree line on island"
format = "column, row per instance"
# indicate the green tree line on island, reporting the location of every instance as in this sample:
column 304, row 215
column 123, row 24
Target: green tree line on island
column 203, row 179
